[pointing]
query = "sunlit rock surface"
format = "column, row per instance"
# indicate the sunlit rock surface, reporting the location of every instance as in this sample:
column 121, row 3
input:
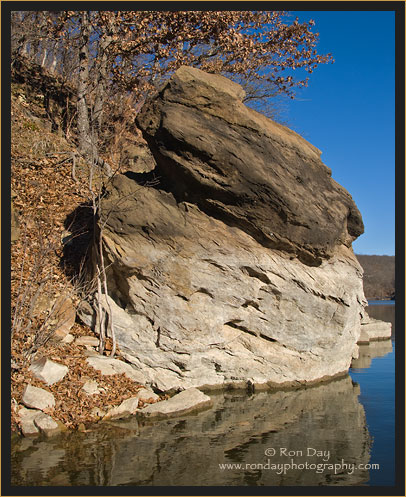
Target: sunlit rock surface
column 236, row 266
column 373, row 329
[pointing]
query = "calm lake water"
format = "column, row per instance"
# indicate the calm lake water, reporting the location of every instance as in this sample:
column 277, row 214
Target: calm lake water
column 329, row 434
column 377, row 382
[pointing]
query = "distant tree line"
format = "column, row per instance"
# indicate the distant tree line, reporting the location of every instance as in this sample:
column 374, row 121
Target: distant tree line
column 379, row 276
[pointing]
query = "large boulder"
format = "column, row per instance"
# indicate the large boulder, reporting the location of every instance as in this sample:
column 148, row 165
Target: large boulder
column 237, row 266
column 245, row 169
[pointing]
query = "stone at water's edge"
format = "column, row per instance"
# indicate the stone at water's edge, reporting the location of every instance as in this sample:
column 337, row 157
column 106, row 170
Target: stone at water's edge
column 329, row 417
column 27, row 424
column 47, row 425
column 373, row 329
column 124, row 410
column 186, row 402
column 238, row 265
column 34, row 422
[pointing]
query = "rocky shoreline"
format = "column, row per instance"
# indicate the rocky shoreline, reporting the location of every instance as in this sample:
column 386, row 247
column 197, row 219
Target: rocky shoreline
column 37, row 413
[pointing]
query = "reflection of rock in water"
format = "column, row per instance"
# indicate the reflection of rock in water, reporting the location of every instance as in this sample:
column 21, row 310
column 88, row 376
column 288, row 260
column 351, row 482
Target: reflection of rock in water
column 368, row 351
column 34, row 461
column 188, row 451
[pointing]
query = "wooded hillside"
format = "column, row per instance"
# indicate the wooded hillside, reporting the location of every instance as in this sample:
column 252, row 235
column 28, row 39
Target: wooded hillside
column 379, row 276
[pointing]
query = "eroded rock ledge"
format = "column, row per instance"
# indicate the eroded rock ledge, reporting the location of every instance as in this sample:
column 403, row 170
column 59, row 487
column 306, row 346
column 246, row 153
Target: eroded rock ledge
column 237, row 266
column 245, row 169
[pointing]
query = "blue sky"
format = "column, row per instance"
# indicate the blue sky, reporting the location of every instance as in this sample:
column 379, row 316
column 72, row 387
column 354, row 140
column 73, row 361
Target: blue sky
column 348, row 112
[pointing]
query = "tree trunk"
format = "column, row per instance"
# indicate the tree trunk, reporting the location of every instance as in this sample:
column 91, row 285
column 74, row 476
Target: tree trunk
column 44, row 57
column 85, row 142
column 52, row 65
column 102, row 70
column 87, row 134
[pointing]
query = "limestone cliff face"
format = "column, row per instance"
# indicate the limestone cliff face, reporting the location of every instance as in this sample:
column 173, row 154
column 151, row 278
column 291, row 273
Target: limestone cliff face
column 237, row 266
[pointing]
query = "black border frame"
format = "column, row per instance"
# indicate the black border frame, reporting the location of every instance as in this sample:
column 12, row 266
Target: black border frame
column 347, row 5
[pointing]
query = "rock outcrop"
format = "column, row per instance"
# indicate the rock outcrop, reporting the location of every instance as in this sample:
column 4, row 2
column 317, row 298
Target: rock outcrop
column 236, row 266
column 245, row 169
column 373, row 329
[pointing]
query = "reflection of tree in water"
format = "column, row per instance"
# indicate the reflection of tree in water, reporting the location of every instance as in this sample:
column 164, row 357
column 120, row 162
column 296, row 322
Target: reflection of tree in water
column 188, row 451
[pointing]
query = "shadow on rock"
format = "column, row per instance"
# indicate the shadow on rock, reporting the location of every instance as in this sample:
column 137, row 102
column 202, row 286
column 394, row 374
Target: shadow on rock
column 77, row 240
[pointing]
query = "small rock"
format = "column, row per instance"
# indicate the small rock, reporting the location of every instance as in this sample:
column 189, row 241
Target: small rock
column 124, row 410
column 37, row 398
column 146, row 394
column 46, row 424
column 91, row 353
column 97, row 412
column 87, row 340
column 48, row 371
column 91, row 387
column 188, row 401
column 81, row 427
column 68, row 338
column 27, row 417
column 108, row 366
column 86, row 314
